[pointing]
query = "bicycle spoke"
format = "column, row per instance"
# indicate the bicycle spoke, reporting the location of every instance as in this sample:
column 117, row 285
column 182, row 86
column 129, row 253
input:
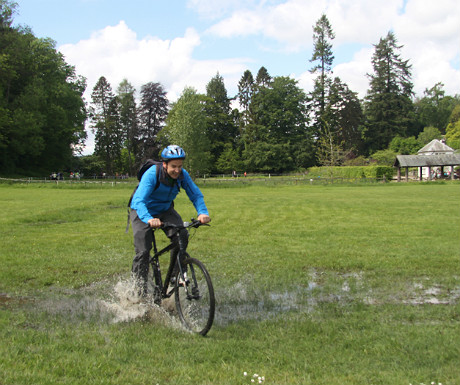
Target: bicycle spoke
column 195, row 300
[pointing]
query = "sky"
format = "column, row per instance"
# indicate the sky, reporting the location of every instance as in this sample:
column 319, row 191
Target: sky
column 185, row 43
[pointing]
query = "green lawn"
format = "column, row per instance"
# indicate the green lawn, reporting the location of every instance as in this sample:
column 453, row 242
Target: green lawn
column 351, row 284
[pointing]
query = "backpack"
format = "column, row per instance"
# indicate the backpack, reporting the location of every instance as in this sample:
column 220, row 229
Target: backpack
column 148, row 163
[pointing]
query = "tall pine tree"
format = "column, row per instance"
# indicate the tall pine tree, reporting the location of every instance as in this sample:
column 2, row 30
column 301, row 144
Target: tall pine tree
column 128, row 122
column 104, row 114
column 220, row 126
column 323, row 57
column 389, row 110
column 153, row 110
column 245, row 92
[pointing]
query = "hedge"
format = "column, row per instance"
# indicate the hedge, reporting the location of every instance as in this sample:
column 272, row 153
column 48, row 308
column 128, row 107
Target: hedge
column 352, row 172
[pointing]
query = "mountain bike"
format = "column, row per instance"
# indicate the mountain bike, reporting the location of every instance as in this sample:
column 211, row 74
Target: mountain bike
column 190, row 284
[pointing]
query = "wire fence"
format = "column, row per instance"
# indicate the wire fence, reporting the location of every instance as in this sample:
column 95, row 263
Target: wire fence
column 221, row 180
column 285, row 180
column 93, row 182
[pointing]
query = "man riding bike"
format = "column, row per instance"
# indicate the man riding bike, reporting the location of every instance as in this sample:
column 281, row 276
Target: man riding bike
column 153, row 203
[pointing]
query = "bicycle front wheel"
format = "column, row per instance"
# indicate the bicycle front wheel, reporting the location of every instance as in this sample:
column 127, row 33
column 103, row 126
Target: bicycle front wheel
column 194, row 295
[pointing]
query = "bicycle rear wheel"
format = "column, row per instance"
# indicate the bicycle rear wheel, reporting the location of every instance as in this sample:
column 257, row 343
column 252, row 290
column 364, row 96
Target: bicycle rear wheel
column 195, row 301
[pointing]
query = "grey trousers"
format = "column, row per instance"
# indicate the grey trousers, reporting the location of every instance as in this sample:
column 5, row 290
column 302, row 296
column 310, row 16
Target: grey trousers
column 143, row 242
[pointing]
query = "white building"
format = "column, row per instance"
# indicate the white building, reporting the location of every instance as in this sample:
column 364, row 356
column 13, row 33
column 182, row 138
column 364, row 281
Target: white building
column 435, row 147
column 431, row 162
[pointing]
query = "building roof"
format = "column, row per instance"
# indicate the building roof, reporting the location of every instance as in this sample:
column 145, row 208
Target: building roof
column 436, row 147
column 427, row 160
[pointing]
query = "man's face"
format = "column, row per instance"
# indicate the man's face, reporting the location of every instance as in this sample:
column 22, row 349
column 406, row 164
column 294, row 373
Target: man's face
column 173, row 168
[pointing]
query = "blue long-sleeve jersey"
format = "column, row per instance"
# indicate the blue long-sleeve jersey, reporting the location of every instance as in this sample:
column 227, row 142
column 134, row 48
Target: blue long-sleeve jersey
column 149, row 202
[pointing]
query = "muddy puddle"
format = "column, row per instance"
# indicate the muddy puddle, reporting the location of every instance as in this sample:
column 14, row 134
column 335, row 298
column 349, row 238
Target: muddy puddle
column 116, row 301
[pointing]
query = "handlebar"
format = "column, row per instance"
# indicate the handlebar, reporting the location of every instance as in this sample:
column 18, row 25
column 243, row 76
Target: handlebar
column 193, row 223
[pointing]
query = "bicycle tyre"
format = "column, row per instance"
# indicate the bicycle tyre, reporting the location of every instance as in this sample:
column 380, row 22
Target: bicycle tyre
column 195, row 301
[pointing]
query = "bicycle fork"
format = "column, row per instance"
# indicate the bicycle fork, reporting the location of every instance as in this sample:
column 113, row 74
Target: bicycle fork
column 191, row 290
column 158, row 284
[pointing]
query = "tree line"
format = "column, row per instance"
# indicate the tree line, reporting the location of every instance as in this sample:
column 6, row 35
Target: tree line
column 270, row 125
column 42, row 112
column 277, row 126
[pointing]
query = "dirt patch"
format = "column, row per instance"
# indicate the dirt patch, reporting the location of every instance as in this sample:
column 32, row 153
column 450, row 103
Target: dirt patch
column 7, row 301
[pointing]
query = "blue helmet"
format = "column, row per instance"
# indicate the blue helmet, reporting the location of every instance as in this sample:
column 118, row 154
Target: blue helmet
column 173, row 152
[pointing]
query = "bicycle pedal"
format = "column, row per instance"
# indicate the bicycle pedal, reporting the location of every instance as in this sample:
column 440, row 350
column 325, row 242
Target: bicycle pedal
column 183, row 282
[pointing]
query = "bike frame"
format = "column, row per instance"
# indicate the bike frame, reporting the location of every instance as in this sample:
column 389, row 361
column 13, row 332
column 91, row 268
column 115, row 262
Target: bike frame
column 155, row 263
column 191, row 278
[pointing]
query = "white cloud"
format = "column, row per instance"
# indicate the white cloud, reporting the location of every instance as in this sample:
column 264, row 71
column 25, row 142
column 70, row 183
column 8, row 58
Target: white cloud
column 430, row 35
column 214, row 9
column 354, row 73
column 428, row 31
column 116, row 53
column 291, row 22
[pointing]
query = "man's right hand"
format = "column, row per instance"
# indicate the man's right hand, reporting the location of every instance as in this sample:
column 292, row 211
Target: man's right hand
column 155, row 223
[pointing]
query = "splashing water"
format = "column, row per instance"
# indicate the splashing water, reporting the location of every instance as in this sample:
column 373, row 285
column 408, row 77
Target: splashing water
column 127, row 305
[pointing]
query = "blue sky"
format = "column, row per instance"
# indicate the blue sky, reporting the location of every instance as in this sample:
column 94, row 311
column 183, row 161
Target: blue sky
column 183, row 43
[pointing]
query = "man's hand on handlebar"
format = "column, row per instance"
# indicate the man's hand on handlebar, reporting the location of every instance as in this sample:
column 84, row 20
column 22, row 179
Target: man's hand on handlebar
column 203, row 218
column 155, row 223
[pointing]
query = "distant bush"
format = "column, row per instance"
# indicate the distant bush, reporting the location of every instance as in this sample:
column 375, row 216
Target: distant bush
column 358, row 161
column 352, row 172
column 384, row 157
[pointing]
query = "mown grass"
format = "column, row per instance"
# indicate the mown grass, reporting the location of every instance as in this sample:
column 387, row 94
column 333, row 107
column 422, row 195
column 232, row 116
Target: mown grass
column 315, row 285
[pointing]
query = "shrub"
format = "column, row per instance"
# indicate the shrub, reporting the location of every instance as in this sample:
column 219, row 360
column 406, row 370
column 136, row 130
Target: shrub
column 352, row 172
column 384, row 157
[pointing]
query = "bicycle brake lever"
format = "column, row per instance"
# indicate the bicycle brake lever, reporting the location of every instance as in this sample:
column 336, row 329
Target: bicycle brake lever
column 196, row 223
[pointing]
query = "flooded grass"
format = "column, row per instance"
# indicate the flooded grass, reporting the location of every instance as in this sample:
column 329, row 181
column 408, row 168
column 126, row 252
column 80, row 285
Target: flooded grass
column 116, row 301
column 354, row 286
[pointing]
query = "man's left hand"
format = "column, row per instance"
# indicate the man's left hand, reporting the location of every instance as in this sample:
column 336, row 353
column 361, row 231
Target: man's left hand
column 203, row 218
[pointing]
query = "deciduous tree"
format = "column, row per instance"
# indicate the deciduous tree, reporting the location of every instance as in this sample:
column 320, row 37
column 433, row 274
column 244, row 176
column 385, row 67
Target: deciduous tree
column 453, row 129
column 186, row 127
column 427, row 135
column 277, row 138
column 434, row 108
column 42, row 112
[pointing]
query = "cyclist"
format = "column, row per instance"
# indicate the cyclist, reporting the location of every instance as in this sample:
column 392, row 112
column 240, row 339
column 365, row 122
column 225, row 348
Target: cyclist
column 153, row 203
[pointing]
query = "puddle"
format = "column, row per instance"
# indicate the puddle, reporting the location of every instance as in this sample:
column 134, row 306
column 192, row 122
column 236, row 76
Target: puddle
column 117, row 302
column 244, row 302
column 434, row 295
column 240, row 303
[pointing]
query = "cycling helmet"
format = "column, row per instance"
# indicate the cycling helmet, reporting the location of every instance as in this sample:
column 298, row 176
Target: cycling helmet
column 173, row 152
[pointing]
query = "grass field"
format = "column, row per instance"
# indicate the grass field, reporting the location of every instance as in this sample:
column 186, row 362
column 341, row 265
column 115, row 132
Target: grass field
column 324, row 285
